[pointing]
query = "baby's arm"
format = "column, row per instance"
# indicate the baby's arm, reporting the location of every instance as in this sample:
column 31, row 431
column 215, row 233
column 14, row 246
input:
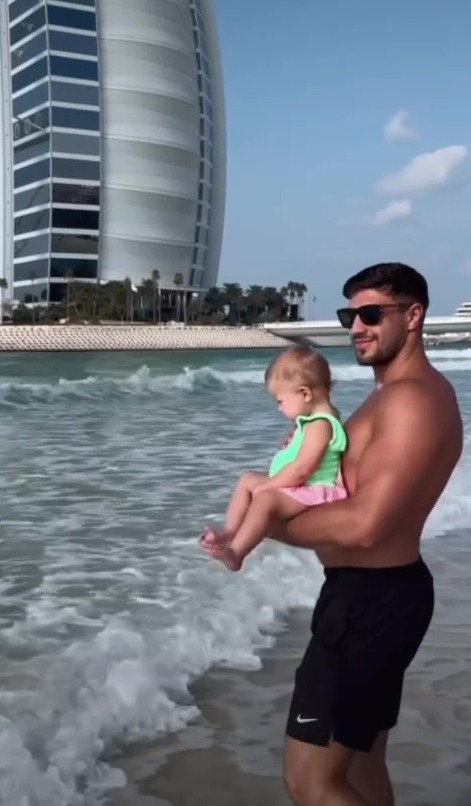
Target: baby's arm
column 316, row 438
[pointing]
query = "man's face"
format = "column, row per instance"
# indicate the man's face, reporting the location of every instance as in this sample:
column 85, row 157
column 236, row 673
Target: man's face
column 379, row 343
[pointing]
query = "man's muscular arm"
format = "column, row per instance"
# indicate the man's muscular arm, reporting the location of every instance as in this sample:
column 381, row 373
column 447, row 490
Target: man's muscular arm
column 405, row 444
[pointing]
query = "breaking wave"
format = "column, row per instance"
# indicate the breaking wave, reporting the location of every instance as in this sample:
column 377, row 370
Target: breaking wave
column 144, row 383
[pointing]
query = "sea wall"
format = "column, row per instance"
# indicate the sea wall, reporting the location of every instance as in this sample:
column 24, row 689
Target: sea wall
column 78, row 338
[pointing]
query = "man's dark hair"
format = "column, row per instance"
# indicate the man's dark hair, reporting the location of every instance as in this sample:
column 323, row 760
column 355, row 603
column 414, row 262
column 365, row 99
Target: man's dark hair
column 395, row 279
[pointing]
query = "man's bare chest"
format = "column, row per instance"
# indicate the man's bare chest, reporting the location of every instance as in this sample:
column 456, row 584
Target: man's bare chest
column 359, row 430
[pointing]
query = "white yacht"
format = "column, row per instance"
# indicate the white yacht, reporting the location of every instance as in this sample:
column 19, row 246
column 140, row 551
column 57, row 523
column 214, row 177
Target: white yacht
column 464, row 310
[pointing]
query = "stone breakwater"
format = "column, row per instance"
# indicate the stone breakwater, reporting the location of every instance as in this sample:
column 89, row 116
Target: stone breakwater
column 84, row 338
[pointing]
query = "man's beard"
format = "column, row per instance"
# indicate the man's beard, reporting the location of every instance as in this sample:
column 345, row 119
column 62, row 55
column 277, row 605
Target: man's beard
column 381, row 358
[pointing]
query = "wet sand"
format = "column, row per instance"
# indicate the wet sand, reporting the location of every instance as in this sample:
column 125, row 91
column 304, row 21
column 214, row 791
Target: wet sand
column 232, row 754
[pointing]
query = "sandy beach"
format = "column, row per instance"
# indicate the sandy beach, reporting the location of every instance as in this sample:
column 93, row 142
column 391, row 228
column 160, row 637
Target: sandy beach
column 233, row 753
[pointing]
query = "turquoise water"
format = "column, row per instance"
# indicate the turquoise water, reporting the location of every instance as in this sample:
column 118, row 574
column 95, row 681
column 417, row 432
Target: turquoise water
column 111, row 463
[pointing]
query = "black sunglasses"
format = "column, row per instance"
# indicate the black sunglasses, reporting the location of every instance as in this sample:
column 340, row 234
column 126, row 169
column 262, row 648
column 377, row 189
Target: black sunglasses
column 370, row 315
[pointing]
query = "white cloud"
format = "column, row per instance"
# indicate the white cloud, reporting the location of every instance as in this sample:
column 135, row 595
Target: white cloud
column 426, row 171
column 399, row 127
column 392, row 212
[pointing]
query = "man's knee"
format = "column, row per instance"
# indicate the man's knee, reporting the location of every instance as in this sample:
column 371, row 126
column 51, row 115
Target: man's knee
column 309, row 791
column 312, row 774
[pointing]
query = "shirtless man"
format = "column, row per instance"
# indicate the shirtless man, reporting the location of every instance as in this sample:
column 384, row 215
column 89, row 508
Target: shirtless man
column 377, row 600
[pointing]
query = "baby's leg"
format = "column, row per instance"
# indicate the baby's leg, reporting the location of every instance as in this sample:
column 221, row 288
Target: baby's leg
column 270, row 505
column 241, row 500
column 236, row 511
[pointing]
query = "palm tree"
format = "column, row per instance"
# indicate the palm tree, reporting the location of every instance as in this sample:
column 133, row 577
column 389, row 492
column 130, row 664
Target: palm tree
column 301, row 290
column 214, row 300
column 255, row 300
column 3, row 287
column 178, row 282
column 292, row 293
column 155, row 276
column 234, row 298
column 275, row 301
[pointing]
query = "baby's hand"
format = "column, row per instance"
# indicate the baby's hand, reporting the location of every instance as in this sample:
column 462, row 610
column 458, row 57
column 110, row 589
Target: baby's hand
column 285, row 442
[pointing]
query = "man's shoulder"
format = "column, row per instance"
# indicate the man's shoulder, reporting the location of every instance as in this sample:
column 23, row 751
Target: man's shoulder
column 424, row 401
column 429, row 390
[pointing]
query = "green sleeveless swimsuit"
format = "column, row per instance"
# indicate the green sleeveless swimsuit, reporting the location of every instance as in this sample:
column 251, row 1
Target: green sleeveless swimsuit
column 328, row 470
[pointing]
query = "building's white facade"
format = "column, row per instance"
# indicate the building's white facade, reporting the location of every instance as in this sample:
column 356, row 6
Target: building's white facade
column 127, row 108
column 151, row 142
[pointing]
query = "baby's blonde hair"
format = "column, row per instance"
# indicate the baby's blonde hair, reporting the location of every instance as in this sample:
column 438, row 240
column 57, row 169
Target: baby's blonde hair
column 301, row 365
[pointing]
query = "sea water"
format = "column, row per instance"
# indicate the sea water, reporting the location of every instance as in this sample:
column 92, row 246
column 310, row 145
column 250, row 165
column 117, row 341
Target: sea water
column 110, row 466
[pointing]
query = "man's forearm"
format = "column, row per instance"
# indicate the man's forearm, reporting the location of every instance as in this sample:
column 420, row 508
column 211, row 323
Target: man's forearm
column 328, row 525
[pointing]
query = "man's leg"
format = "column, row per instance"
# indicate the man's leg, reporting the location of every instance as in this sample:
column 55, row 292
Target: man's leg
column 369, row 775
column 318, row 776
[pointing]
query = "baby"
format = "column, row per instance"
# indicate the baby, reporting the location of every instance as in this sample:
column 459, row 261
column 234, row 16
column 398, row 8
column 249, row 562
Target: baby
column 304, row 473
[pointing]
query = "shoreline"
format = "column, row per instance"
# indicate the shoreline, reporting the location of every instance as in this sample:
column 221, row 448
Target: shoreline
column 156, row 338
column 232, row 753
column 119, row 338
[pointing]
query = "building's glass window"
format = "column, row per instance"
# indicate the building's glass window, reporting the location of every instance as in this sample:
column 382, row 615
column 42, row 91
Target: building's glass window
column 73, row 43
column 76, row 194
column 33, row 22
column 74, row 68
column 206, row 87
column 29, row 100
column 66, row 118
column 207, row 107
column 32, row 222
column 28, row 50
column 34, row 292
column 31, row 125
column 80, row 2
column 32, row 173
column 31, row 268
column 75, row 219
column 62, row 266
column 71, row 17
column 75, row 93
column 75, row 169
column 29, row 75
column 29, row 149
column 66, row 143
column 37, row 245
column 20, row 7
column 75, row 244
column 32, row 197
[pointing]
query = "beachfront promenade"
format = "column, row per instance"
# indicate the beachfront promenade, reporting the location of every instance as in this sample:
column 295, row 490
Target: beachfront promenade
column 84, row 338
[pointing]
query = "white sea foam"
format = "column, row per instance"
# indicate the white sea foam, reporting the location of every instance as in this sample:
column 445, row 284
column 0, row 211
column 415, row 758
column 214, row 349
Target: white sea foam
column 144, row 382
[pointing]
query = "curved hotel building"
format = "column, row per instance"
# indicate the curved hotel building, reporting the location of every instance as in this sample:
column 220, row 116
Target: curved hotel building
column 113, row 160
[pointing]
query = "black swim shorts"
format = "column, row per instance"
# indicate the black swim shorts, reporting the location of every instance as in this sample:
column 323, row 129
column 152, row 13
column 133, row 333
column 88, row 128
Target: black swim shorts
column 367, row 626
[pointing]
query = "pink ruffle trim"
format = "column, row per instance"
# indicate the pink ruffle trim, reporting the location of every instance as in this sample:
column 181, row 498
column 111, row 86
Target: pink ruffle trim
column 317, row 494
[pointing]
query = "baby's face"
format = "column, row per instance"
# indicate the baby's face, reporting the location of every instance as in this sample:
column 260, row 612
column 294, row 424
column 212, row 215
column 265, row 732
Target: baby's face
column 292, row 400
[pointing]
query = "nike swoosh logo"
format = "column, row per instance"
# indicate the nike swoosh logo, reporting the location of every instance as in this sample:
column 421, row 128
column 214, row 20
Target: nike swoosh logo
column 300, row 719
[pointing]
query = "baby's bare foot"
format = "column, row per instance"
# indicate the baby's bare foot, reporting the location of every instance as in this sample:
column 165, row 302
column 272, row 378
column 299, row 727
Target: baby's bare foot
column 212, row 538
column 227, row 556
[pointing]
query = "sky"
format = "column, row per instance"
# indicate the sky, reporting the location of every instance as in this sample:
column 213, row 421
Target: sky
column 348, row 138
